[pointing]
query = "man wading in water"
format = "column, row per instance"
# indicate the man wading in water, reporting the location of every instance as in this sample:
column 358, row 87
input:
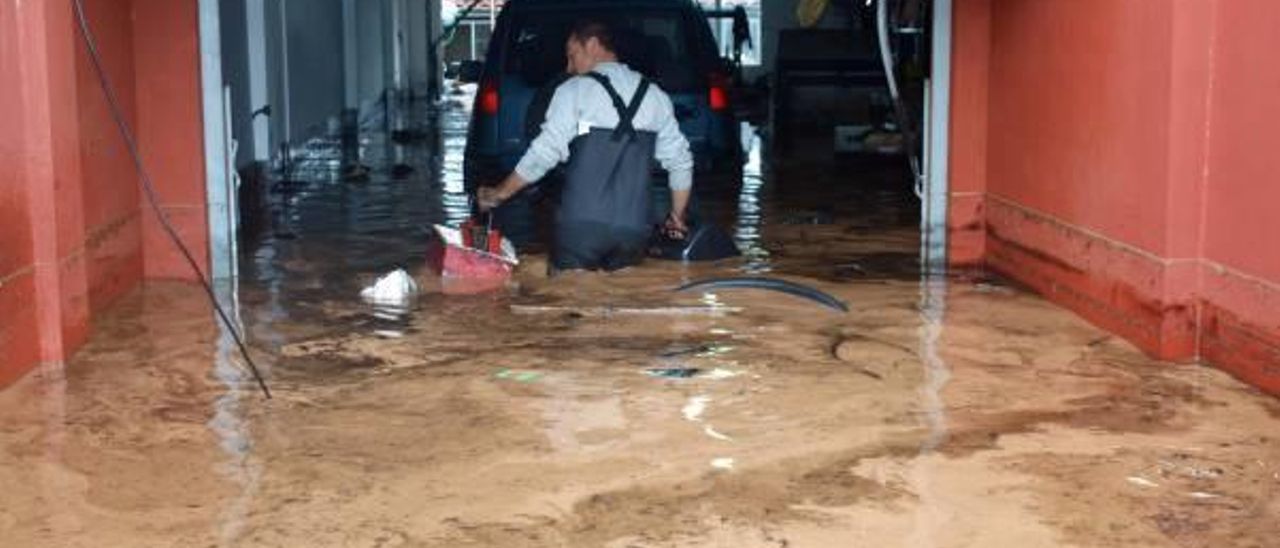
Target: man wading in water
column 609, row 144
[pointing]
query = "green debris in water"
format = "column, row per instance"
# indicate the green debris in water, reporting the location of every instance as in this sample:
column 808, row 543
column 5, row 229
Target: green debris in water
column 518, row 375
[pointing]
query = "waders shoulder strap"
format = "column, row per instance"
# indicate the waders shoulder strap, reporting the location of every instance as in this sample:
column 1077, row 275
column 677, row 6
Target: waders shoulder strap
column 626, row 113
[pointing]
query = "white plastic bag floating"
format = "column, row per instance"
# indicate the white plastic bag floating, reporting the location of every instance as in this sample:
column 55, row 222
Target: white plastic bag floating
column 396, row 289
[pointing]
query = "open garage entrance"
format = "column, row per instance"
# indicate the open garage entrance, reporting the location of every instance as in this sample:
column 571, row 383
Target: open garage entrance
column 944, row 354
column 344, row 167
column 807, row 96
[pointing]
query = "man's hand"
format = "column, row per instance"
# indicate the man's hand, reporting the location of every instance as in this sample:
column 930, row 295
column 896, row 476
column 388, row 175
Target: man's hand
column 675, row 227
column 491, row 197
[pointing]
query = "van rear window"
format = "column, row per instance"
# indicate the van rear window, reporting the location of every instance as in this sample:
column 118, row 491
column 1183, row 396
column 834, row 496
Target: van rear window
column 657, row 43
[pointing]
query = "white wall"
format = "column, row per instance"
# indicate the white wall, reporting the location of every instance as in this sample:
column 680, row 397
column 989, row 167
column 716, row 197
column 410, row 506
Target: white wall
column 418, row 24
column 315, row 65
column 319, row 58
column 235, row 74
column 243, row 56
column 434, row 55
column 371, row 44
column 273, row 31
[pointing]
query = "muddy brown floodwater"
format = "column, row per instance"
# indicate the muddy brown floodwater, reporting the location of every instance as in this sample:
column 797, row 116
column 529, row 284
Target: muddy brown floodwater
column 942, row 411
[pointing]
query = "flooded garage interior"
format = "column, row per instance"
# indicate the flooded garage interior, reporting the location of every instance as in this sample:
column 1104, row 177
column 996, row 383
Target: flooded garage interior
column 952, row 405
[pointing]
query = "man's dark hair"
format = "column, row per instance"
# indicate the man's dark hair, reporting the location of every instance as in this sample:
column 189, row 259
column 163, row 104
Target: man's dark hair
column 586, row 29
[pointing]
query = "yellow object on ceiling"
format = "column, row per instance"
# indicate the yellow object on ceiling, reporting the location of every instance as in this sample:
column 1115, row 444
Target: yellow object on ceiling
column 809, row 12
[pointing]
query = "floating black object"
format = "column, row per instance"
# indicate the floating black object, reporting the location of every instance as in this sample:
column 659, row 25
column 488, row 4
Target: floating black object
column 357, row 173
column 771, row 284
column 673, row 372
column 401, row 171
column 705, row 242
column 408, row 136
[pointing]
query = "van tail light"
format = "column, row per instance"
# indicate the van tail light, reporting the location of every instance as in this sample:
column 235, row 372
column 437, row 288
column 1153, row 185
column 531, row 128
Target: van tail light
column 489, row 98
column 718, row 92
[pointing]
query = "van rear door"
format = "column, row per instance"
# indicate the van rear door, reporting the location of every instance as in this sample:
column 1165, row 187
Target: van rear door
column 661, row 43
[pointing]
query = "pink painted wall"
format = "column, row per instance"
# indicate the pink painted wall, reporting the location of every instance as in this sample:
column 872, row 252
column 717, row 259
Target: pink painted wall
column 1241, row 283
column 1080, row 105
column 971, row 55
column 74, row 237
column 1125, row 165
column 1079, row 140
column 45, row 289
column 171, row 131
column 1243, row 230
column 18, row 312
column 110, row 199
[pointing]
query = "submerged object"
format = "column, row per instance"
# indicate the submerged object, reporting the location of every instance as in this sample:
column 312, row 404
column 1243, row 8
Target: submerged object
column 705, row 242
column 673, row 372
column 469, row 266
column 408, row 136
column 771, row 284
column 401, row 171
column 607, row 311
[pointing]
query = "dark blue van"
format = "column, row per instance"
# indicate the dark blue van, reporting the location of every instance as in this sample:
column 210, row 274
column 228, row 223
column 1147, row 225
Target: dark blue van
column 669, row 41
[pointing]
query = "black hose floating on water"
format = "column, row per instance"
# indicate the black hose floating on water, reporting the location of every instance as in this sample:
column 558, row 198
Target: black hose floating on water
column 148, row 188
column 770, row 284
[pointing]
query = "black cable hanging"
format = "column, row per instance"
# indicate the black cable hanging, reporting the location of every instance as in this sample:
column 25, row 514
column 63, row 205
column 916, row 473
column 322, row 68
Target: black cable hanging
column 149, row 189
